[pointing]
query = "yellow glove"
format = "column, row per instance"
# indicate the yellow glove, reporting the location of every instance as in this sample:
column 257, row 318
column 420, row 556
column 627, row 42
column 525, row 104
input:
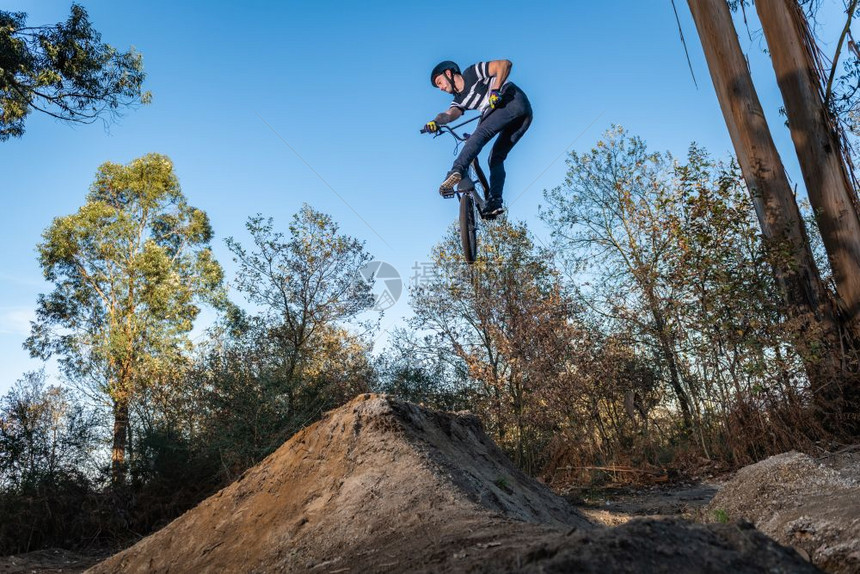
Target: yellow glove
column 495, row 99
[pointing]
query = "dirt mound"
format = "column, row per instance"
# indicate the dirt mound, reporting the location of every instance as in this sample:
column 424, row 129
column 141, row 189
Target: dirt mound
column 376, row 469
column 380, row 485
column 810, row 504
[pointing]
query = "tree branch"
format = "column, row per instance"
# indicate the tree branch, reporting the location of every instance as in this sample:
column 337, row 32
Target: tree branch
column 845, row 31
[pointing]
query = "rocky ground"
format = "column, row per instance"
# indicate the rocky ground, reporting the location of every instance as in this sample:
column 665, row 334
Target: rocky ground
column 385, row 486
column 810, row 504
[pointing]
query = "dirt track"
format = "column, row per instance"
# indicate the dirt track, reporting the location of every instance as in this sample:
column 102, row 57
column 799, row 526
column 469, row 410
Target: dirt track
column 811, row 504
column 380, row 485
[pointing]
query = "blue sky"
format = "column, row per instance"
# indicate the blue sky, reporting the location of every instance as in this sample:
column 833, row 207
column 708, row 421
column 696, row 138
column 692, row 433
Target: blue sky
column 265, row 105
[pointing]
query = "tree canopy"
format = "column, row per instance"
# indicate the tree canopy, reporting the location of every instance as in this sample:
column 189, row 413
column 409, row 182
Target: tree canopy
column 129, row 270
column 63, row 70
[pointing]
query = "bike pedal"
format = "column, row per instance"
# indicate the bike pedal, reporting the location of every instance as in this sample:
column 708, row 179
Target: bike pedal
column 447, row 195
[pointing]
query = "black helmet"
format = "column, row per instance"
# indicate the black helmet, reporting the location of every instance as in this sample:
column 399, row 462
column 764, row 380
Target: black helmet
column 441, row 67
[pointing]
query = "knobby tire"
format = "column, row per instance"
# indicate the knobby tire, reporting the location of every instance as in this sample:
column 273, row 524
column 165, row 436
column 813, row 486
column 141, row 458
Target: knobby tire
column 468, row 238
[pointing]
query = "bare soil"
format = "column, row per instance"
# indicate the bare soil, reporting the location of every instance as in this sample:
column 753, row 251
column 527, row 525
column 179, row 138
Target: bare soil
column 811, row 504
column 52, row 561
column 619, row 505
column 380, row 485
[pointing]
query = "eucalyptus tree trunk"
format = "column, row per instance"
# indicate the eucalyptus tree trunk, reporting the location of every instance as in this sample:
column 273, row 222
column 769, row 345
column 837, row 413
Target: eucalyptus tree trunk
column 818, row 147
column 804, row 295
column 830, row 189
column 120, row 434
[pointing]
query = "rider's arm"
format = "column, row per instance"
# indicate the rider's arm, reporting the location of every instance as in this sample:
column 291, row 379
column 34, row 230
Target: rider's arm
column 446, row 117
column 499, row 71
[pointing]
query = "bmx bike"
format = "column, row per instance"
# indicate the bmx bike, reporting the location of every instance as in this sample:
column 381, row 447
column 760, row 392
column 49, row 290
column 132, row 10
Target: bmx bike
column 471, row 193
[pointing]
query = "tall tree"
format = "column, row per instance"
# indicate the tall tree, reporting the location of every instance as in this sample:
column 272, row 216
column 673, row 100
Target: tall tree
column 817, row 141
column 804, row 294
column 605, row 219
column 308, row 285
column 129, row 269
column 64, row 71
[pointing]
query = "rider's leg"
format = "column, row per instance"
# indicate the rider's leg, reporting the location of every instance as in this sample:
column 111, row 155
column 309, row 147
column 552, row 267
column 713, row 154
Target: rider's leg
column 504, row 143
column 494, row 122
column 486, row 129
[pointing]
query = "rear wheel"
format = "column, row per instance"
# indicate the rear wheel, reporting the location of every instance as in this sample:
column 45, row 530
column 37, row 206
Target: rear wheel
column 468, row 237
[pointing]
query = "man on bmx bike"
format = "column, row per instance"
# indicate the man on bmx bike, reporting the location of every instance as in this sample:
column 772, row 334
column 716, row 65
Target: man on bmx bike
column 505, row 111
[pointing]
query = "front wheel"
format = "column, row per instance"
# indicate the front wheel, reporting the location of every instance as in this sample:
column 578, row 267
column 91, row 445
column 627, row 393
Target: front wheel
column 468, row 237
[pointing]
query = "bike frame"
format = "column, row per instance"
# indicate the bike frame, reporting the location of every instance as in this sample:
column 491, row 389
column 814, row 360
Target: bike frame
column 470, row 201
column 479, row 198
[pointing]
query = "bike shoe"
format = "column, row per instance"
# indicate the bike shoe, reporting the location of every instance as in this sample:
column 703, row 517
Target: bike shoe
column 451, row 181
column 493, row 209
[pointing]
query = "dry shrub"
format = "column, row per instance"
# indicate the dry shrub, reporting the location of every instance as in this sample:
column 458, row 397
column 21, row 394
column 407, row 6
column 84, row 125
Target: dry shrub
column 758, row 426
column 58, row 513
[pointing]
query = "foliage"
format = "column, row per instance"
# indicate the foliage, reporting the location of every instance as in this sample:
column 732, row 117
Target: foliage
column 64, row 71
column 129, row 269
column 45, row 435
column 508, row 328
column 422, row 374
column 60, row 512
column 249, row 405
column 270, row 374
column 305, row 282
column 46, row 440
column 668, row 257
column 609, row 221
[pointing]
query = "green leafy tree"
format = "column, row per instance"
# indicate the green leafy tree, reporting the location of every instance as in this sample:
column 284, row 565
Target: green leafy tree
column 44, row 434
column 305, row 284
column 267, row 375
column 506, row 321
column 64, row 71
column 129, row 270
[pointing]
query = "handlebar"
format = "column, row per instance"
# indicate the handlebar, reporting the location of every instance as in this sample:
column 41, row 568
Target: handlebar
column 444, row 129
column 449, row 129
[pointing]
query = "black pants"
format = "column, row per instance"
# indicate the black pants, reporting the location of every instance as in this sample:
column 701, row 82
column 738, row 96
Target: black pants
column 509, row 122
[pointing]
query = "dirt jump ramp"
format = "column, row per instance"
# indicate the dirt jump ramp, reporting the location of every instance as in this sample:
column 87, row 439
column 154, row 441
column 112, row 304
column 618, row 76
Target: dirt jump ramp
column 381, row 485
column 811, row 504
